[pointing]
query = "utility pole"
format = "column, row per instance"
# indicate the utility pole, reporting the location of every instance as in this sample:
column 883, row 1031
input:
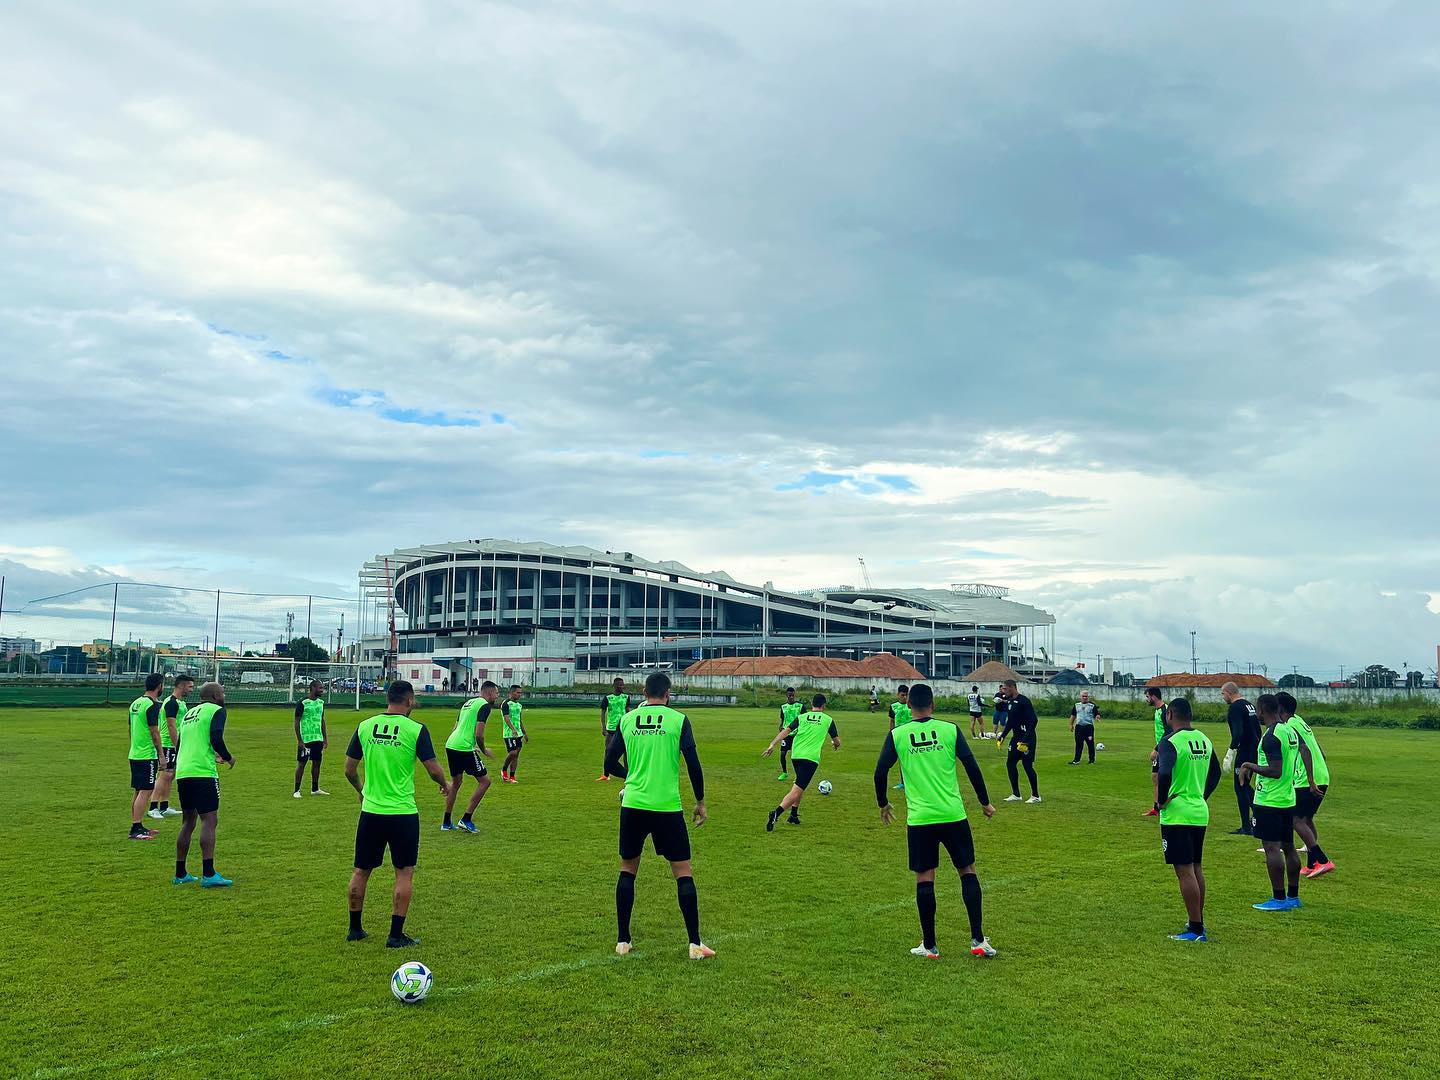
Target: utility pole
column 1194, row 663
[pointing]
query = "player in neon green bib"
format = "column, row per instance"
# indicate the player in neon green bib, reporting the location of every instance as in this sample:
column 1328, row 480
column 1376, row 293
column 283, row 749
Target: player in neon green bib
column 1309, row 790
column 389, row 745
column 145, row 751
column 512, row 729
column 197, row 782
column 613, row 706
column 928, row 749
column 900, row 714
column 311, row 738
column 646, row 752
column 808, row 733
column 171, row 710
column 1156, row 700
column 788, row 712
column 1189, row 773
column 465, row 754
column 1274, row 807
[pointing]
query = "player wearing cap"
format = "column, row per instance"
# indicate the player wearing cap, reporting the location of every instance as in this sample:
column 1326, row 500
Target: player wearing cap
column 809, row 730
column 934, row 811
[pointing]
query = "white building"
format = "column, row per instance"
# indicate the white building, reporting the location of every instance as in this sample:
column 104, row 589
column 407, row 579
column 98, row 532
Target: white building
column 10, row 646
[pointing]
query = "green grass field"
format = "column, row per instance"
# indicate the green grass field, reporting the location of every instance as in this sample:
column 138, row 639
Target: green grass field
column 121, row 974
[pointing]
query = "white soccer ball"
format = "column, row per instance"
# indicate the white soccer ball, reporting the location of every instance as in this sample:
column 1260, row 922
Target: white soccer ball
column 1099, row 746
column 411, row 982
column 826, row 787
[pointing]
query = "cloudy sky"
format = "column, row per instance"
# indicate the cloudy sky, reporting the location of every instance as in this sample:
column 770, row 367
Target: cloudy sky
column 1130, row 306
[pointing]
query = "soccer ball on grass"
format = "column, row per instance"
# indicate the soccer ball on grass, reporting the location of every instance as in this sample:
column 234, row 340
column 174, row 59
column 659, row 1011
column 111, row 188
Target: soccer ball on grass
column 1099, row 746
column 826, row 787
column 411, row 982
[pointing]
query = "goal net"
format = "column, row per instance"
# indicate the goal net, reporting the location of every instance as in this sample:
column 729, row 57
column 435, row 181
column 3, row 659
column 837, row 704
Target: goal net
column 268, row 681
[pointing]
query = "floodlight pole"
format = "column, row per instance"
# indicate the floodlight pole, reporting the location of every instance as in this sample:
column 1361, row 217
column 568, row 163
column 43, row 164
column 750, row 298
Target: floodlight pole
column 110, row 664
column 216, row 646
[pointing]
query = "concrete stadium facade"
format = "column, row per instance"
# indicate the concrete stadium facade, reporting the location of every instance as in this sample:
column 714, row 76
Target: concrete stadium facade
column 629, row 612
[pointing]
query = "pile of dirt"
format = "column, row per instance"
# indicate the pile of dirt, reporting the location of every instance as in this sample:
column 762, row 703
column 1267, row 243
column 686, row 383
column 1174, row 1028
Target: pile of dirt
column 885, row 666
column 992, row 671
column 1184, row 679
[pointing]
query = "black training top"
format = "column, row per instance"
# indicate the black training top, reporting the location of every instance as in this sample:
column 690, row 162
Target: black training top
column 1244, row 729
column 1021, row 720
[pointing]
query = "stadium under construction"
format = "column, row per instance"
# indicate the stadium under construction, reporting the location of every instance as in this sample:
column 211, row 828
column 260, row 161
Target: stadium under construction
column 623, row 611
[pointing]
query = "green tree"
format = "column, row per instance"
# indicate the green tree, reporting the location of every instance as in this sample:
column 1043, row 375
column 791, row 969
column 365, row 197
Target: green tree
column 1296, row 682
column 1376, row 677
column 307, row 652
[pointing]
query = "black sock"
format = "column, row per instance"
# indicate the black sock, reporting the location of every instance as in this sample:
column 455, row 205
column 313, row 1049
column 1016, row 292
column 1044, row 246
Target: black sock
column 180, row 870
column 970, row 890
column 925, row 904
column 355, row 920
column 795, row 811
column 1292, row 891
column 165, row 805
column 624, row 904
column 1279, row 894
column 1317, row 856
column 689, row 907
column 314, row 785
column 209, row 870
column 447, row 820
column 397, row 925
column 466, row 817
column 779, row 810
column 153, row 804
column 135, row 827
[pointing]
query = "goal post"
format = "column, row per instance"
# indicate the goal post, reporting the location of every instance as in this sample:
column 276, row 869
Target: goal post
column 269, row 680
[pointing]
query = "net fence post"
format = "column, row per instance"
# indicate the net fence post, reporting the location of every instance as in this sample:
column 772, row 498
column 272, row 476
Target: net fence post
column 215, row 641
column 290, row 698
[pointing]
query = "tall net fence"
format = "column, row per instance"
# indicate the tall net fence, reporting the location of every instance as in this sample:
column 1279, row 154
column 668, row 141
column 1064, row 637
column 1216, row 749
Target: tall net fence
column 97, row 644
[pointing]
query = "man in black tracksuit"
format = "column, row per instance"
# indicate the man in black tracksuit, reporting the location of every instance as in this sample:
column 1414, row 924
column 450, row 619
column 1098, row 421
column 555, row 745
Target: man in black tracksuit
column 1244, row 747
column 1020, row 723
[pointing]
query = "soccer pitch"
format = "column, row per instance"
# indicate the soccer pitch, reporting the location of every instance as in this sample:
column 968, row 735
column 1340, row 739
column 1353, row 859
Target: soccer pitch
column 115, row 972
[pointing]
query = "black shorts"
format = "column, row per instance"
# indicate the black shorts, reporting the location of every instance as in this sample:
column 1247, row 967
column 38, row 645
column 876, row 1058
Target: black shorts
column 142, row 773
column 1028, row 754
column 310, row 751
column 1182, row 844
column 466, row 761
column 511, row 745
column 1274, row 825
column 804, row 771
column 926, row 840
column 198, row 794
column 667, row 827
column 399, row 832
column 167, row 758
column 977, row 716
column 1305, row 803
column 787, row 743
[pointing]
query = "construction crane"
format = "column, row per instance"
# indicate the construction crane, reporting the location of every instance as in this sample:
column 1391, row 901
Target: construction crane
column 865, row 575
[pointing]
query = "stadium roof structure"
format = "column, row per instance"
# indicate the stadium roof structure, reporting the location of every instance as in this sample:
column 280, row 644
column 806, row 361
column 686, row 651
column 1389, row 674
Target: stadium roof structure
column 880, row 666
column 627, row 610
column 1184, row 679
